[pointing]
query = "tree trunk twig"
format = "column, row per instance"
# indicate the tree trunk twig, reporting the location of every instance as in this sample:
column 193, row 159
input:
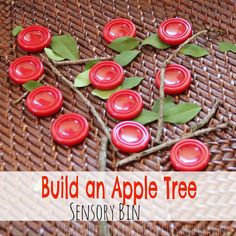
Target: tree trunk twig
column 26, row 93
column 162, row 78
column 207, row 118
column 103, row 154
column 138, row 156
column 83, row 98
column 103, row 229
column 81, row 61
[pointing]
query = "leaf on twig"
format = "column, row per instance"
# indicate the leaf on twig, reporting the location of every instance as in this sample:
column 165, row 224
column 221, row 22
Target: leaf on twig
column 90, row 64
column 124, row 43
column 52, row 55
column 65, row 46
column 194, row 50
column 167, row 104
column 82, row 79
column 126, row 57
column 154, row 41
column 16, row 30
column 31, row 85
column 227, row 46
column 146, row 117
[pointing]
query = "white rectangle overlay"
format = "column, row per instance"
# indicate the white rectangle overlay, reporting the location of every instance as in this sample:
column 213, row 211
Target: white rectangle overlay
column 113, row 196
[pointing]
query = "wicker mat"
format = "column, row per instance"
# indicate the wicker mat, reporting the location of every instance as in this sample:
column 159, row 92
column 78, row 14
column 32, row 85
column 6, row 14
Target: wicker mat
column 26, row 143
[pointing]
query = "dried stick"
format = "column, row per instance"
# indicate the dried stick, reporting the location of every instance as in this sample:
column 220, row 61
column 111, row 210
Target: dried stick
column 81, row 61
column 162, row 78
column 138, row 156
column 207, row 118
column 83, row 98
column 26, row 93
column 102, row 158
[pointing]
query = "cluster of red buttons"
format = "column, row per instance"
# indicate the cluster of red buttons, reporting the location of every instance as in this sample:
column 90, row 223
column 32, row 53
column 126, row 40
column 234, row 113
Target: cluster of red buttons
column 69, row 129
column 127, row 136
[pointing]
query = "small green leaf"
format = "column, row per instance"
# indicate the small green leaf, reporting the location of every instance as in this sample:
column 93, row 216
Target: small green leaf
column 90, row 64
column 124, row 43
column 146, row 117
column 31, row 85
column 131, row 82
column 52, row 55
column 154, row 41
column 126, row 57
column 16, row 30
column 194, row 50
column 82, row 79
column 182, row 113
column 65, row 46
column 168, row 103
column 227, row 46
column 105, row 94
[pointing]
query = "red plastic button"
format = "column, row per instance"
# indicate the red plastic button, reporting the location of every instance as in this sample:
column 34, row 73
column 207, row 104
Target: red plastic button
column 25, row 68
column 70, row 129
column 177, row 79
column 34, row 38
column 130, row 136
column 106, row 75
column 175, row 31
column 44, row 101
column 124, row 105
column 118, row 28
column 189, row 155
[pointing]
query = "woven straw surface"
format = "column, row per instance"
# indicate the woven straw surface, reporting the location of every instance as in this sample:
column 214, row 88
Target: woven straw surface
column 26, row 143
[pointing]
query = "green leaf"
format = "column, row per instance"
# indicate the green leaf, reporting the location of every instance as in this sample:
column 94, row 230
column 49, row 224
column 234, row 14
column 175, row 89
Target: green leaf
column 52, row 55
column 90, row 64
column 131, row 82
column 82, row 79
column 154, row 41
column 31, row 85
column 124, row 43
column 227, row 46
column 146, row 117
column 65, row 46
column 16, row 30
column 168, row 103
column 126, row 57
column 105, row 94
column 194, row 50
column 182, row 113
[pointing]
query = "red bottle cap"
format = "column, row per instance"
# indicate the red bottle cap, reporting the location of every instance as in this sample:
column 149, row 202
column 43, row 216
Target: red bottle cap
column 175, row 31
column 44, row 101
column 130, row 136
column 118, row 28
column 177, row 79
column 124, row 105
column 70, row 129
column 34, row 38
column 26, row 68
column 189, row 155
column 106, row 75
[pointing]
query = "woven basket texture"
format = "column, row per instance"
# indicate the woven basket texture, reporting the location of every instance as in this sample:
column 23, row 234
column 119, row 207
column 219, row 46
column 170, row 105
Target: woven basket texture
column 26, row 143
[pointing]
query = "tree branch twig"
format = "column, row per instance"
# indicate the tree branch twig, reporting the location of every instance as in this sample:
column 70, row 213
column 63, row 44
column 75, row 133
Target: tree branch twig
column 81, row 61
column 207, row 118
column 138, row 156
column 83, row 98
column 162, row 78
column 26, row 93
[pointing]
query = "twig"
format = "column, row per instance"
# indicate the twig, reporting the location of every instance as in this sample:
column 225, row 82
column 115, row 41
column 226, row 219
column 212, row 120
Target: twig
column 207, row 118
column 26, row 93
column 103, row 154
column 138, row 156
column 83, row 98
column 81, row 61
column 162, row 78
column 102, row 158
